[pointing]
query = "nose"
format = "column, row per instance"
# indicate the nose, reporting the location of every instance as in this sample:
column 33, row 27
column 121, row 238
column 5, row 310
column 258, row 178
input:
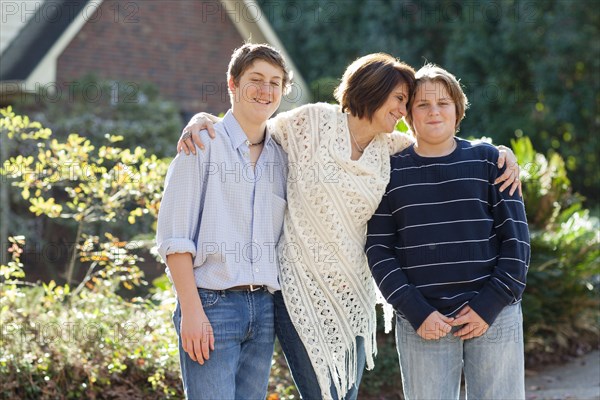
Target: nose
column 402, row 109
column 265, row 87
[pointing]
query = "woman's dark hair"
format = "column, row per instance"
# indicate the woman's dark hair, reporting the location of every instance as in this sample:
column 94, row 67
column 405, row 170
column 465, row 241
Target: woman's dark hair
column 368, row 82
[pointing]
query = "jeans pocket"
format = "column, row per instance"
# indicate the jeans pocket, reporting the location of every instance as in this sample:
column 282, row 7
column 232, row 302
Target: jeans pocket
column 208, row 297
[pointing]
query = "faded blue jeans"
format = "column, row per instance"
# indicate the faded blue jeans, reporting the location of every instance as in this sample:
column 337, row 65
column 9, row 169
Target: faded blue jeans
column 297, row 358
column 244, row 333
column 493, row 363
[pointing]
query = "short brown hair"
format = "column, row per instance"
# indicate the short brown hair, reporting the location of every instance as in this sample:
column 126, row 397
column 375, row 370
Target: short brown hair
column 434, row 73
column 243, row 57
column 368, row 82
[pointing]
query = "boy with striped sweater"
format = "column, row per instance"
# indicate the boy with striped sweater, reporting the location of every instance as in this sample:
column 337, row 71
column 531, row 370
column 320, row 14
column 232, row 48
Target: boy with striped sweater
column 450, row 253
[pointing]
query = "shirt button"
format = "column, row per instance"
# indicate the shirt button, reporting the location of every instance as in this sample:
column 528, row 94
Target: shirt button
column 256, row 270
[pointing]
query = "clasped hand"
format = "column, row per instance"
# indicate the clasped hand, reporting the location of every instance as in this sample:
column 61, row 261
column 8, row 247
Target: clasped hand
column 437, row 325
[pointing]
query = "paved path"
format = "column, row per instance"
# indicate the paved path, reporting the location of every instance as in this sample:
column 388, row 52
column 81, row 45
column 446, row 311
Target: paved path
column 578, row 379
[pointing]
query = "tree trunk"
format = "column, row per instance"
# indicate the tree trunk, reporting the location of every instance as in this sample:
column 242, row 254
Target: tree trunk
column 4, row 200
column 74, row 254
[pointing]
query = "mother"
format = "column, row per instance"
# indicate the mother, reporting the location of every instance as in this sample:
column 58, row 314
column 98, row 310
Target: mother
column 339, row 168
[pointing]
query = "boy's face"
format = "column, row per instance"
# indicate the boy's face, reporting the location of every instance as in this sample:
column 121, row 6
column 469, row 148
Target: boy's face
column 433, row 113
column 259, row 90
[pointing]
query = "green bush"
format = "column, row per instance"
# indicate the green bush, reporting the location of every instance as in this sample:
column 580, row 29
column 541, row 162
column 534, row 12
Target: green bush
column 562, row 299
column 90, row 343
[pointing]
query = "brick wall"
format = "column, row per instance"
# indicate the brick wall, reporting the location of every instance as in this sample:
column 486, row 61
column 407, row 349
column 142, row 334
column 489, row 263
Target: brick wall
column 183, row 47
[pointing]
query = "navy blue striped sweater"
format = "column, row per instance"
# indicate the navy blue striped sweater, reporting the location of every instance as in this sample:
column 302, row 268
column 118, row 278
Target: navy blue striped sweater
column 444, row 236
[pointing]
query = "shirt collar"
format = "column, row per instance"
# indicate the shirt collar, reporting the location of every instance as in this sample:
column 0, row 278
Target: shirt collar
column 236, row 133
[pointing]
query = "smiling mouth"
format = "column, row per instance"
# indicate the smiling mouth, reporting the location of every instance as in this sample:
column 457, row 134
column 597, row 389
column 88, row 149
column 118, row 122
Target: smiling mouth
column 265, row 102
column 395, row 117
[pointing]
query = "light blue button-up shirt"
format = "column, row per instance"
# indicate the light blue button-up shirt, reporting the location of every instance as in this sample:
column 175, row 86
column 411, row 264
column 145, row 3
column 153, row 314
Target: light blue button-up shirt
column 223, row 211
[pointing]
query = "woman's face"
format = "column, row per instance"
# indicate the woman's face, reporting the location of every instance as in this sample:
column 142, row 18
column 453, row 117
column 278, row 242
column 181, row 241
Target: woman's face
column 386, row 117
column 433, row 113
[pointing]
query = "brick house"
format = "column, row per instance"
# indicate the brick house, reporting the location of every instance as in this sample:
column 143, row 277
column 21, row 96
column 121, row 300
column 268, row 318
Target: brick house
column 182, row 47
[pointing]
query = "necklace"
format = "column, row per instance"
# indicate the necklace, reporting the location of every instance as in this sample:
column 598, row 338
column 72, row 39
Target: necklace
column 360, row 149
column 249, row 144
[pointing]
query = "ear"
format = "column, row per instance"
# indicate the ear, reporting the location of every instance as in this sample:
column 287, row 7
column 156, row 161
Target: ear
column 231, row 85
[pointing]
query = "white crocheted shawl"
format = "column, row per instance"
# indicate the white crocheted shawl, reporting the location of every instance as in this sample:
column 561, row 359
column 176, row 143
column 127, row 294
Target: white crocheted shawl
column 324, row 275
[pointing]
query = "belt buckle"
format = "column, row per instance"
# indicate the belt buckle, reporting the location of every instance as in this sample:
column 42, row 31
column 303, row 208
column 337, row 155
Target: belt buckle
column 254, row 288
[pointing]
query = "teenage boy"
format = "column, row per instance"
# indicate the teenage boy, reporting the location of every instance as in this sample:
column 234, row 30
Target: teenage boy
column 450, row 252
column 220, row 219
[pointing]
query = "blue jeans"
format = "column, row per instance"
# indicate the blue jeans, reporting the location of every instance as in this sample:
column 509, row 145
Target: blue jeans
column 244, row 334
column 297, row 358
column 493, row 363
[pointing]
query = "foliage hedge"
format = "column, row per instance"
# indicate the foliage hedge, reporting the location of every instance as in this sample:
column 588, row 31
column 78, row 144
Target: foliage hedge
column 92, row 338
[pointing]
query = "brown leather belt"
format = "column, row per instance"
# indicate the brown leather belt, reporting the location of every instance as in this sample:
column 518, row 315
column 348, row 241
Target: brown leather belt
column 248, row 288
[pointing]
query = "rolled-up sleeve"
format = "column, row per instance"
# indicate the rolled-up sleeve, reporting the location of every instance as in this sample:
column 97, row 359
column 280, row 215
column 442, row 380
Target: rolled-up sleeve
column 181, row 208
